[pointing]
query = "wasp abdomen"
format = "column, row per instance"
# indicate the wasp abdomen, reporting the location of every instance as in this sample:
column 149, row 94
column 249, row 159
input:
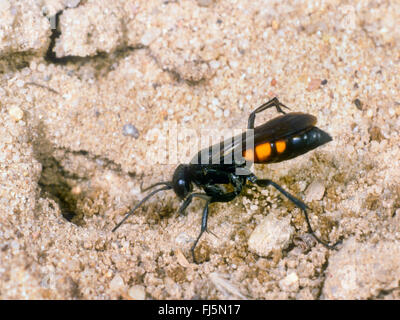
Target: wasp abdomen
column 288, row 147
column 306, row 141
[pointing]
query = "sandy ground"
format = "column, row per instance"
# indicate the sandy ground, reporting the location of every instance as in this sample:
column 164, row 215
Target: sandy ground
column 87, row 92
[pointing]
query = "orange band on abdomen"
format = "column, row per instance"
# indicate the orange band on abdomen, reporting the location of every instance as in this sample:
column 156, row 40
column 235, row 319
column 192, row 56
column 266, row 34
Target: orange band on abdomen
column 263, row 151
column 280, row 146
column 248, row 155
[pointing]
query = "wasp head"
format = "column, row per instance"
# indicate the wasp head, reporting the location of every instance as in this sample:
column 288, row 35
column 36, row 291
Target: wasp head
column 181, row 181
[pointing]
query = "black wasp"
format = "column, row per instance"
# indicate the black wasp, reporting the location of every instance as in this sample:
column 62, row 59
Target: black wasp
column 284, row 137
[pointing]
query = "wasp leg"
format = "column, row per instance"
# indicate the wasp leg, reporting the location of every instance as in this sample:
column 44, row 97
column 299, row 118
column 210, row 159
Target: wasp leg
column 203, row 228
column 274, row 102
column 139, row 204
column 189, row 199
column 163, row 183
column 215, row 194
column 204, row 218
column 297, row 202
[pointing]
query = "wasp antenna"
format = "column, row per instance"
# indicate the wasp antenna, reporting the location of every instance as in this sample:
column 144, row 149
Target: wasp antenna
column 165, row 183
column 140, row 203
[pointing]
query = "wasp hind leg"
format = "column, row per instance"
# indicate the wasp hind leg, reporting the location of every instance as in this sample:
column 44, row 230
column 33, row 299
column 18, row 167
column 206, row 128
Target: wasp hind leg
column 300, row 204
column 274, row 102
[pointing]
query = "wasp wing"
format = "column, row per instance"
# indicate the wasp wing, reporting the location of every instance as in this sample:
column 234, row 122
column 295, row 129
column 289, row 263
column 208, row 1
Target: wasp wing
column 273, row 130
column 283, row 126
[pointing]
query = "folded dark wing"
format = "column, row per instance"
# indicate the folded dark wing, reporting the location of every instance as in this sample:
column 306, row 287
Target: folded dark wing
column 273, row 130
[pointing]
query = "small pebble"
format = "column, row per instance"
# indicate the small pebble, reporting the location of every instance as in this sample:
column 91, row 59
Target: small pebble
column 16, row 113
column 375, row 134
column 150, row 36
column 215, row 64
column 117, row 283
column 314, row 84
column 215, row 102
column 181, row 258
column 130, row 130
column 33, row 65
column 218, row 113
column 272, row 234
column 109, row 274
column 358, row 104
column 315, row 191
column 20, row 83
column 137, row 293
column 324, row 82
column 274, row 25
column 76, row 190
column 72, row 3
column 183, row 238
column 204, row 3
column 234, row 64
column 290, row 283
column 253, row 207
column 302, row 185
column 41, row 67
column 222, row 283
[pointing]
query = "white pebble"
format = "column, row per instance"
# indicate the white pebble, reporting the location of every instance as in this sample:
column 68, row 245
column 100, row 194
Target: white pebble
column 302, row 185
column 137, row 293
column 214, row 64
column 215, row 102
column 234, row 64
column 130, row 130
column 272, row 234
column 149, row 36
column 16, row 113
column 41, row 67
column 117, row 283
column 204, row 3
column 5, row 5
column 72, row 3
column 315, row 191
column 20, row 83
column 183, row 239
column 253, row 207
column 290, row 282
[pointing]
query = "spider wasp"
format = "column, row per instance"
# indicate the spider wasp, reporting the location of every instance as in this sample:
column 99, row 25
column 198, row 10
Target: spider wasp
column 284, row 137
